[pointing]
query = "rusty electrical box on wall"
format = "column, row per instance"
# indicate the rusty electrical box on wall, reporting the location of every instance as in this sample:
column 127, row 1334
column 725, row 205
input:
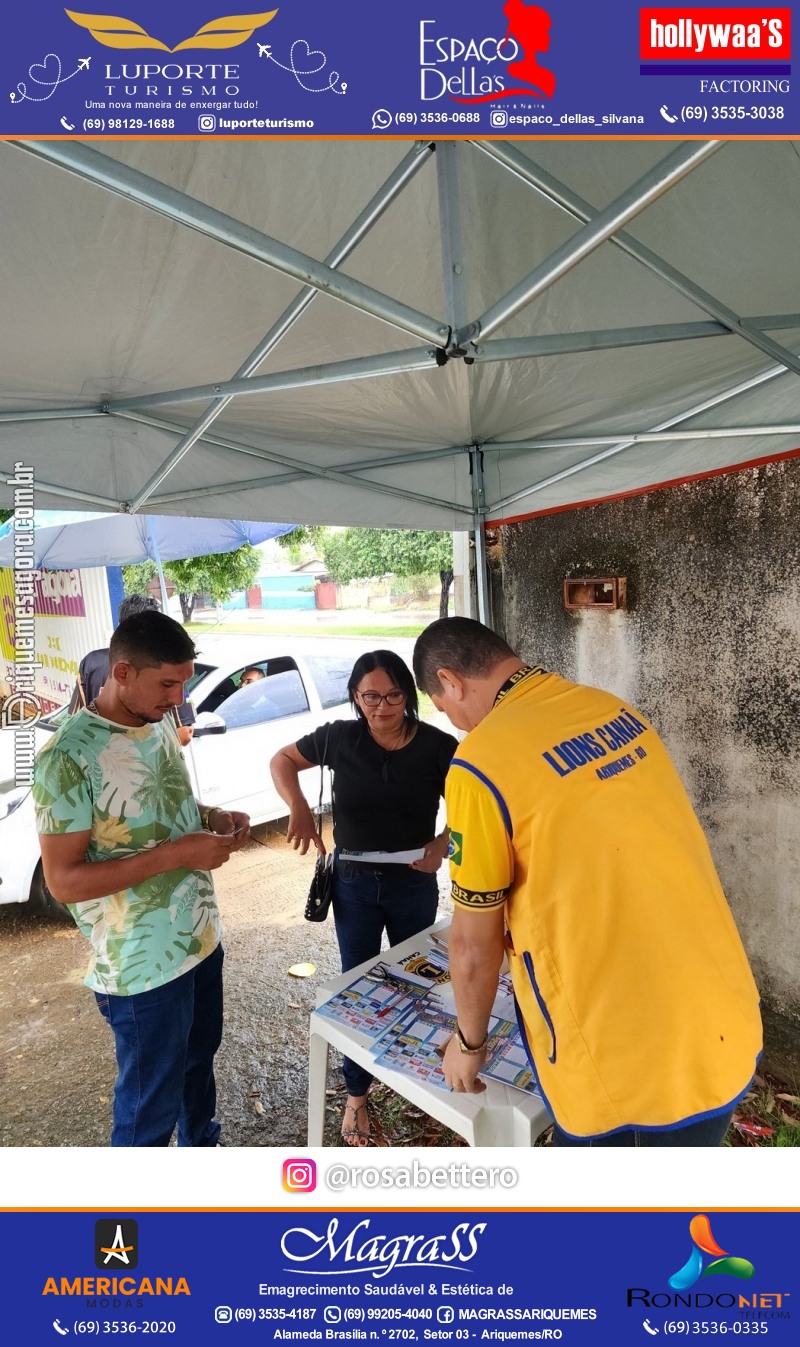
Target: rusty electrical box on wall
column 605, row 592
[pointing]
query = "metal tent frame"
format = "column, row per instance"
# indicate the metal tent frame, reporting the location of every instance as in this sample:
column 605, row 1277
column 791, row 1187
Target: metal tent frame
column 458, row 481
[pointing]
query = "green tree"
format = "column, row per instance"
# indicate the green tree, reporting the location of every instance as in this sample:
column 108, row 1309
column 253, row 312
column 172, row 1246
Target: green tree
column 5, row 515
column 363, row 554
column 219, row 576
column 303, row 535
column 136, row 579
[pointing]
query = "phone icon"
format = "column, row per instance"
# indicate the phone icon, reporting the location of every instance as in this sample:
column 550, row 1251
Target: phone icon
column 67, row 127
column 59, row 1329
column 648, row 1329
column 665, row 113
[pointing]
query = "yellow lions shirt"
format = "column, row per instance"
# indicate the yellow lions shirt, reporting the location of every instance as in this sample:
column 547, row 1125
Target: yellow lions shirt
column 635, row 996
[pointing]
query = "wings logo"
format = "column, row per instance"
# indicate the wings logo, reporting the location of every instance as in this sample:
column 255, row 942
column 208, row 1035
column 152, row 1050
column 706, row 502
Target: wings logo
column 112, row 31
column 703, row 1242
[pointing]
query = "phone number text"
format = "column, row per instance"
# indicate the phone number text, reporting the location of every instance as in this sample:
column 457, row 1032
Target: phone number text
column 693, row 1327
column 726, row 112
column 98, row 1326
column 129, row 123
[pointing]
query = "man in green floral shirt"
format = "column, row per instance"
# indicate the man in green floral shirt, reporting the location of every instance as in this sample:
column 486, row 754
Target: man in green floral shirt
column 124, row 846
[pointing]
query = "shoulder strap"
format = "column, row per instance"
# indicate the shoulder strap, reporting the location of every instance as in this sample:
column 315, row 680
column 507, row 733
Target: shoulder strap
column 323, row 764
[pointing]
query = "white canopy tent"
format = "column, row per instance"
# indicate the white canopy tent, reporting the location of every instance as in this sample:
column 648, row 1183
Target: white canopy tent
column 384, row 332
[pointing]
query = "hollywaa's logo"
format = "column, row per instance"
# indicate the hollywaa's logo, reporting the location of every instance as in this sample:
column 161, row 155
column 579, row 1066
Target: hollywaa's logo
column 112, row 31
column 695, row 1267
column 461, row 67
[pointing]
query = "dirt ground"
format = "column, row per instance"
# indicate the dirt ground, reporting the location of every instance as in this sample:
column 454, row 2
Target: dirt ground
column 56, row 1054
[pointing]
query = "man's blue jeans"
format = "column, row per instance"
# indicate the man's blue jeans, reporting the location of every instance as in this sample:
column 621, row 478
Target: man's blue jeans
column 707, row 1132
column 165, row 1042
column 365, row 902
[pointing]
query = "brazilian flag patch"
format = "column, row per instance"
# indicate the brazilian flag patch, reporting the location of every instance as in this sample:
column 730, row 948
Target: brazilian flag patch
column 456, row 849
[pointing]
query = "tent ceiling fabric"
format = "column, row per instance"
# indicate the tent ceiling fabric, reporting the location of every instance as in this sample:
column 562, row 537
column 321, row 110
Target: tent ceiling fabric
column 354, row 418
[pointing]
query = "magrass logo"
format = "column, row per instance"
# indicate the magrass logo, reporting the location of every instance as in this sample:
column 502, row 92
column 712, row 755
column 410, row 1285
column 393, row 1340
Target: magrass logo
column 696, row 1266
column 112, row 31
column 116, row 1244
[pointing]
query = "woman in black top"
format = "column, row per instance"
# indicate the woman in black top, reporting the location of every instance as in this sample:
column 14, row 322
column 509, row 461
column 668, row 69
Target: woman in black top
column 389, row 770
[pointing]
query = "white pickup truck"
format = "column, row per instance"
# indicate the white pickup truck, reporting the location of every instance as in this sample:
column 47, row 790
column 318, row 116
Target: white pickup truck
column 238, row 728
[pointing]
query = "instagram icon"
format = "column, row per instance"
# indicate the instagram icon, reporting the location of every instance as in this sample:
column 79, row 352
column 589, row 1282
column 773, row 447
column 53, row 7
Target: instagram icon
column 299, row 1176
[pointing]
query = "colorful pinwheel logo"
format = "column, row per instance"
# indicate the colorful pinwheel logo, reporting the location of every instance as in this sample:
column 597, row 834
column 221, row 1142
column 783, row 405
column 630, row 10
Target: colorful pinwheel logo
column 696, row 1267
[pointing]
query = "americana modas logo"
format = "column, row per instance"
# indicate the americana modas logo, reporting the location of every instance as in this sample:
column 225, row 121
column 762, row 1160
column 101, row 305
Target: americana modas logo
column 705, row 1247
column 116, row 1244
column 113, row 31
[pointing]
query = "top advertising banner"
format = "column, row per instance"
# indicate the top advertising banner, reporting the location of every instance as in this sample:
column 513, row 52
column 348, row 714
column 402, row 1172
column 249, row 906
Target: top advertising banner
column 476, row 69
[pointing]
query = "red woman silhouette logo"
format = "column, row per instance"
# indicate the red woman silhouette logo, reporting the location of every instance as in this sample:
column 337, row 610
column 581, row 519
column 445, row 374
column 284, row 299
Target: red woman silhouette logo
column 527, row 35
column 529, row 26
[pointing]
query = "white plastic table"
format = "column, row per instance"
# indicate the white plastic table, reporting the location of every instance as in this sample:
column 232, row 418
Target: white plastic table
column 500, row 1116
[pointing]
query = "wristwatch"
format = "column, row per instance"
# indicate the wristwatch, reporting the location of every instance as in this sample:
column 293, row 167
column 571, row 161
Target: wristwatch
column 464, row 1045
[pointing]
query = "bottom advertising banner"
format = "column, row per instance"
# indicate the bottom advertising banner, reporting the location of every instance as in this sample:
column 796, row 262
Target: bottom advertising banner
column 453, row 1277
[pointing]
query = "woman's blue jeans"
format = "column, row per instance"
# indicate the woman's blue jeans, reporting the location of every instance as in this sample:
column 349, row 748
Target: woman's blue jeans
column 165, row 1042
column 367, row 901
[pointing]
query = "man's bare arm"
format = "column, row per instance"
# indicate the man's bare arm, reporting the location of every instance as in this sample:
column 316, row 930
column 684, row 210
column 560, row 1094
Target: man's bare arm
column 476, row 945
column 72, row 879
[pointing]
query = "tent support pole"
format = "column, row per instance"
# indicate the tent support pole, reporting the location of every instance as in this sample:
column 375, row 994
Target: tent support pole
column 450, row 220
column 606, row 222
column 157, row 559
column 478, row 535
column 311, row 376
column 528, row 171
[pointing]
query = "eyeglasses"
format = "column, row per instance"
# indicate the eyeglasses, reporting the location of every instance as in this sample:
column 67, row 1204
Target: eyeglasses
column 374, row 699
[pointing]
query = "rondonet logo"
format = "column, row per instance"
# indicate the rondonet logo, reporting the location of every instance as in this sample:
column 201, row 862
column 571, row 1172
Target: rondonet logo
column 697, row 1266
column 706, row 1259
column 727, row 34
column 359, row 1251
column 112, row 31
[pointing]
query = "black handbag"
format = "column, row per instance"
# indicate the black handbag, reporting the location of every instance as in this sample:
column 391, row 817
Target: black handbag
column 320, row 895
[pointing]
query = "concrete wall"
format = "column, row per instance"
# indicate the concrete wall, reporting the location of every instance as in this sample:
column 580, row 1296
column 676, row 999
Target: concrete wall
column 709, row 648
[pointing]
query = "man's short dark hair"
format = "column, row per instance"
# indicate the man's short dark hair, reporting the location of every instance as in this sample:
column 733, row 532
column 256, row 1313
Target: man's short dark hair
column 136, row 603
column 148, row 639
column 458, row 643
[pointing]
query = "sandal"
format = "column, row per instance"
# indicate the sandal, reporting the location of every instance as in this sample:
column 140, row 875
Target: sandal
column 355, row 1135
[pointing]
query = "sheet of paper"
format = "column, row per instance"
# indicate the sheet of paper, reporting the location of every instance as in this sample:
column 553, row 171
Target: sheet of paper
column 383, row 857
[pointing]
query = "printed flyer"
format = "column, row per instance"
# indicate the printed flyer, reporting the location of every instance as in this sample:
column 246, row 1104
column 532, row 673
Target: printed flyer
column 525, row 277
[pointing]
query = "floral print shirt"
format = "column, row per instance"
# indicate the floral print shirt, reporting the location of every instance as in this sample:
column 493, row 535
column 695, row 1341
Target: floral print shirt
column 130, row 789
